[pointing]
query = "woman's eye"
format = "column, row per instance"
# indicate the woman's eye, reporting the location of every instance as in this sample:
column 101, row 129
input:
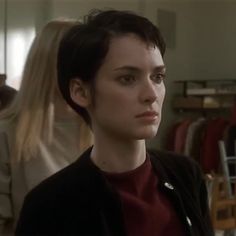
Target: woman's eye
column 158, row 78
column 127, row 79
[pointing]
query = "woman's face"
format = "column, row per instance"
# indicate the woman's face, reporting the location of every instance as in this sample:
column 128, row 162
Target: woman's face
column 129, row 90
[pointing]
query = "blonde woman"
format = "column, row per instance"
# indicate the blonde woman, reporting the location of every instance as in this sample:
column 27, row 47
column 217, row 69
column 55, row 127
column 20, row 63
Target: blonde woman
column 39, row 133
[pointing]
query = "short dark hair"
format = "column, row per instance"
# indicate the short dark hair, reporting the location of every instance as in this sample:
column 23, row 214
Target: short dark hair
column 85, row 46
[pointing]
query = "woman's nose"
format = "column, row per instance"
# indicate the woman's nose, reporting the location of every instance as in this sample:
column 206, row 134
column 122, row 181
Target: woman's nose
column 149, row 92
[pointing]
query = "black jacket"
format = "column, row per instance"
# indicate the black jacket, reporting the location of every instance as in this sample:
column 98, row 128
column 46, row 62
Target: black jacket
column 78, row 200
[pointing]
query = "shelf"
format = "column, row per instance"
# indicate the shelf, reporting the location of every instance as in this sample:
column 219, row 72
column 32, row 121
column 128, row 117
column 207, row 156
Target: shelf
column 227, row 80
column 208, row 87
column 207, row 102
column 201, row 109
column 205, row 95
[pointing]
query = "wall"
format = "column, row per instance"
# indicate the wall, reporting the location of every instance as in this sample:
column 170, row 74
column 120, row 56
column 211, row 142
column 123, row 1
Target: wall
column 24, row 18
column 205, row 48
column 79, row 8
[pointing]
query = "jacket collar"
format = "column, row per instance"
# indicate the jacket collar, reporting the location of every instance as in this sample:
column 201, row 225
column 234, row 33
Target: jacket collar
column 103, row 195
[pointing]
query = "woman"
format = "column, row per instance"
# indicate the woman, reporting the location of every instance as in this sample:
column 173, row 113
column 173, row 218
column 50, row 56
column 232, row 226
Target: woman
column 39, row 133
column 111, row 71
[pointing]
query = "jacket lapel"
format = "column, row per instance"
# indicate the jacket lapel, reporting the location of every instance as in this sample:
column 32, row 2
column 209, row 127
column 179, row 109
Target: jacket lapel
column 104, row 197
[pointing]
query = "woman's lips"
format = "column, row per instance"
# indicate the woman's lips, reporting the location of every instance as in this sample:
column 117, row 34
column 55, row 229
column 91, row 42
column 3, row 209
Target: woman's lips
column 148, row 116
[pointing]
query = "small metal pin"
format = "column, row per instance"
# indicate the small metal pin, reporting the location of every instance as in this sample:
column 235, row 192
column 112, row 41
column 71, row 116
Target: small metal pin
column 169, row 186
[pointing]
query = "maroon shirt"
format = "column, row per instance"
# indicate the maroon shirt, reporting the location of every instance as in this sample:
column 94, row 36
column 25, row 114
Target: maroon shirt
column 147, row 211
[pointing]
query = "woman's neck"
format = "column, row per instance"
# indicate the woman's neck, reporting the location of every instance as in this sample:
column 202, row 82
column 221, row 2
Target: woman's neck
column 118, row 156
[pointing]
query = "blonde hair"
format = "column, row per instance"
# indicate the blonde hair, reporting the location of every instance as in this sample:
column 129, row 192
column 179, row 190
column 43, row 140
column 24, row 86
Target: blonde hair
column 32, row 109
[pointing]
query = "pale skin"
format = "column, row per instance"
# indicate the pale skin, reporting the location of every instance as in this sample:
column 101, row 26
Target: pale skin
column 129, row 93
column 63, row 112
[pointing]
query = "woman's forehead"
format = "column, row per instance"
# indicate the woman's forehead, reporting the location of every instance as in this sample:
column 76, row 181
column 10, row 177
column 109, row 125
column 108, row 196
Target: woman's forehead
column 131, row 51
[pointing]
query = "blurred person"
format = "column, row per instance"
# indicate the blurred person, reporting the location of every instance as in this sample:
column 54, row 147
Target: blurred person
column 112, row 72
column 39, row 133
column 7, row 93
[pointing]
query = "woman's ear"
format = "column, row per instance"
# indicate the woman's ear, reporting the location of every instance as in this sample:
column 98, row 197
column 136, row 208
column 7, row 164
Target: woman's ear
column 79, row 92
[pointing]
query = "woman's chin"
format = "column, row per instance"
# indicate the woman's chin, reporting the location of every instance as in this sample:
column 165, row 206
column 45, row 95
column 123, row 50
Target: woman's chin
column 147, row 134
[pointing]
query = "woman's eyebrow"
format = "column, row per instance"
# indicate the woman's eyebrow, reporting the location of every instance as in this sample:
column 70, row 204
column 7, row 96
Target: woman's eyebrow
column 130, row 68
column 137, row 69
column 160, row 68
